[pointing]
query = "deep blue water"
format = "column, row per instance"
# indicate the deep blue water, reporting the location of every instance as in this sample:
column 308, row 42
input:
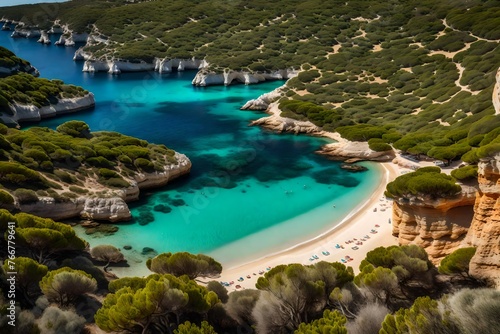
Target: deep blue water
column 250, row 191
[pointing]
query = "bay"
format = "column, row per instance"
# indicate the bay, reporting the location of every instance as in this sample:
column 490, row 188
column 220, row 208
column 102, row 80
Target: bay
column 272, row 191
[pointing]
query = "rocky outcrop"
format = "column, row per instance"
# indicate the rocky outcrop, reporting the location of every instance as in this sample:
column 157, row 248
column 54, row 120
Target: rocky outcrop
column 27, row 68
column 439, row 226
column 112, row 209
column 56, row 29
column 263, row 102
column 23, row 112
column 484, row 232
column 81, row 54
column 207, row 78
column 280, row 124
column 26, row 32
column 44, row 38
column 354, row 150
column 496, row 94
column 166, row 65
column 116, row 66
column 70, row 38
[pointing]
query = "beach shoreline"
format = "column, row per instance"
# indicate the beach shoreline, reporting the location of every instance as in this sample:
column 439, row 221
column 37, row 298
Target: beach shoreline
column 374, row 214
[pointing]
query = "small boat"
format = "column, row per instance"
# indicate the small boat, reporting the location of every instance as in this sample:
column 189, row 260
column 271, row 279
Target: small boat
column 377, row 225
column 238, row 286
column 325, row 253
column 316, row 256
column 248, row 276
column 355, row 248
column 343, row 261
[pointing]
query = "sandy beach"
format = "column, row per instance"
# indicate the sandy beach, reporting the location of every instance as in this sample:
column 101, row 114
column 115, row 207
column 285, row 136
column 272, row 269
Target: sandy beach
column 371, row 220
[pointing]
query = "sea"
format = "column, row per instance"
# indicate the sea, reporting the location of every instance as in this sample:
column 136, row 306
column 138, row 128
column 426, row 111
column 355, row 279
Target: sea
column 250, row 193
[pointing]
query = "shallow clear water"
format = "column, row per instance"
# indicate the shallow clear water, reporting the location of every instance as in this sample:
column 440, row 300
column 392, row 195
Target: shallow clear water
column 250, row 192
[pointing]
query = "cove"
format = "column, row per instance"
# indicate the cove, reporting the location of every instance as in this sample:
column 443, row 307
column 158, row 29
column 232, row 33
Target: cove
column 250, row 192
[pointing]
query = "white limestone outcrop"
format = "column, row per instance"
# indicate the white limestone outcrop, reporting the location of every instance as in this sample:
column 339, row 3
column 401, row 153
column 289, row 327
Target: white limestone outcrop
column 24, row 112
column 116, row 66
column 80, row 54
column 345, row 149
column 206, row 78
column 69, row 39
column 26, row 32
column 496, row 94
column 277, row 123
column 166, row 65
column 263, row 101
column 113, row 209
column 44, row 38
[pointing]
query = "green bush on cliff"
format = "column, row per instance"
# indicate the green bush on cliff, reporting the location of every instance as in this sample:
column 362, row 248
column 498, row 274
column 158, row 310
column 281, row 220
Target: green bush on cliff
column 378, row 145
column 465, row 173
column 426, row 181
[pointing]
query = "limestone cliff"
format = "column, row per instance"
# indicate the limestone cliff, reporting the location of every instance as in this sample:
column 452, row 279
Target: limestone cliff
column 277, row 123
column 347, row 150
column 496, row 94
column 484, row 232
column 116, row 66
column 439, row 226
column 207, row 78
column 23, row 112
column 44, row 38
column 114, row 208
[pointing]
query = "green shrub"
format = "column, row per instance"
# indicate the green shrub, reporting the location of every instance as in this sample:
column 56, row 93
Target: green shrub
column 108, row 173
column 76, row 129
column 78, row 190
column 99, row 162
column 427, row 181
column 116, row 182
column 25, row 196
column 378, row 145
column 6, row 198
column 144, row 164
column 465, row 173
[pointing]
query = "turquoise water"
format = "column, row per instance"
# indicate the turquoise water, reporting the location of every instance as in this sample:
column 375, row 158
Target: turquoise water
column 250, row 192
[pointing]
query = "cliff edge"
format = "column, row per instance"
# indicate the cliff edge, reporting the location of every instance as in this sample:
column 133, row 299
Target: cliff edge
column 484, row 231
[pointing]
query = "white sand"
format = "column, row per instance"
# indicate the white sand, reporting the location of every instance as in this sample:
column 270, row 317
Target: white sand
column 362, row 221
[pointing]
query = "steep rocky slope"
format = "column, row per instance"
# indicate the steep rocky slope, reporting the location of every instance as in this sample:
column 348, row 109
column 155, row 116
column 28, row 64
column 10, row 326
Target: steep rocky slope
column 484, row 231
column 439, row 226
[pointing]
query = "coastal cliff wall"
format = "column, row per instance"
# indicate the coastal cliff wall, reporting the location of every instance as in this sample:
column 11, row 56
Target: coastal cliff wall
column 112, row 209
column 496, row 93
column 207, row 78
column 439, row 226
column 484, row 232
column 23, row 112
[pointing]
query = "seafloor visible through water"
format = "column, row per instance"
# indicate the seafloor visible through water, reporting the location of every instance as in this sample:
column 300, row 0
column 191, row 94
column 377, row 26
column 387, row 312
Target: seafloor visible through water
column 250, row 192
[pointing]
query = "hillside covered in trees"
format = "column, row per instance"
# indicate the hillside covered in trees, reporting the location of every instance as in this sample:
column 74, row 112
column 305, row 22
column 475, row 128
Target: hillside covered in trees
column 416, row 75
column 73, row 162
column 64, row 287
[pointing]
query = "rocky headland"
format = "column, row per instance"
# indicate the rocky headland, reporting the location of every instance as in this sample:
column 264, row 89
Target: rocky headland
column 439, row 226
column 29, row 112
column 484, row 230
column 113, row 207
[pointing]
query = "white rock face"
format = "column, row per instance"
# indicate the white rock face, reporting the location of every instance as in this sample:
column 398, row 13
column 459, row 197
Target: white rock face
column 113, row 209
column 82, row 55
column 263, row 101
column 355, row 150
column 72, row 39
column 56, row 30
column 205, row 78
column 496, row 94
column 23, row 112
column 115, row 67
column 44, row 38
column 26, row 33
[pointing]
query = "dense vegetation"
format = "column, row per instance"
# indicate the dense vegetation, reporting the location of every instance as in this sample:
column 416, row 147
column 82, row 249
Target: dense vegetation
column 398, row 290
column 21, row 86
column 43, row 162
column 416, row 74
column 426, row 182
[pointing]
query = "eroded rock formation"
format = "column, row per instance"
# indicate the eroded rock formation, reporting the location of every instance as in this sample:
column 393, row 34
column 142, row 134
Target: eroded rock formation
column 113, row 208
column 439, row 226
column 484, row 232
column 30, row 112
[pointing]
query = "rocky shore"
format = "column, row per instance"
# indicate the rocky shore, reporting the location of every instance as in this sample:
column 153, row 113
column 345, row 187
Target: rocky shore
column 113, row 208
column 29, row 112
